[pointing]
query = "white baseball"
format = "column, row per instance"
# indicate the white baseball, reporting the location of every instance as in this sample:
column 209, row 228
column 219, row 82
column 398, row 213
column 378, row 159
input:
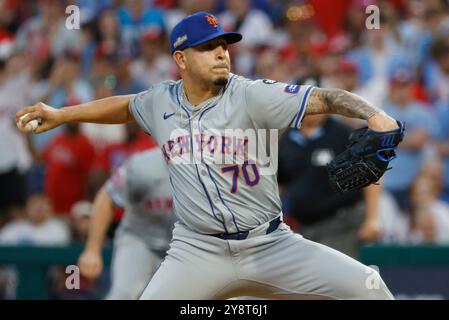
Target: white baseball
column 30, row 126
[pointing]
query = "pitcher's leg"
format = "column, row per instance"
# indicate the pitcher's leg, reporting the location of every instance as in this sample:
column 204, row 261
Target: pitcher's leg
column 193, row 269
column 294, row 266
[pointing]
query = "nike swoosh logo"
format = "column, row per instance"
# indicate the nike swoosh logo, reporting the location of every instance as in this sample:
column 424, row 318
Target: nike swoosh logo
column 166, row 116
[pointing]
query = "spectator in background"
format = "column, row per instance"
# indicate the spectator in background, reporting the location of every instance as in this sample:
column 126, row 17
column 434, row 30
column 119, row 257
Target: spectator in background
column 101, row 41
column 15, row 158
column 375, row 61
column 45, row 34
column 439, row 71
column 6, row 36
column 269, row 65
column 103, row 71
column 108, row 35
column 65, row 82
column 154, row 65
column 13, row 14
column 413, row 29
column 124, row 82
column 421, row 126
column 327, row 57
column 394, row 223
column 346, row 75
column 134, row 18
column 429, row 216
column 354, row 23
column 442, row 145
column 296, row 42
column 39, row 228
column 435, row 211
column 64, row 86
column 89, row 9
column 255, row 26
column 436, row 26
column 39, row 83
column 390, row 17
column 185, row 8
column 68, row 160
column 80, row 219
column 433, row 169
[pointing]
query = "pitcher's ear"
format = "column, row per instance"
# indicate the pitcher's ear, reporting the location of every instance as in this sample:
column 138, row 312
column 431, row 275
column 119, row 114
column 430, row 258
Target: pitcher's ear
column 180, row 59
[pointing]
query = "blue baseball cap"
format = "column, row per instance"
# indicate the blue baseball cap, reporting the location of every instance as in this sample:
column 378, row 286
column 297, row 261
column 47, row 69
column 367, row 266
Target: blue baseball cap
column 199, row 28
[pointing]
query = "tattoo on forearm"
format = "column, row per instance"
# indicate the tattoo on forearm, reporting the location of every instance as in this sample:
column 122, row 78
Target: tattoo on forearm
column 340, row 102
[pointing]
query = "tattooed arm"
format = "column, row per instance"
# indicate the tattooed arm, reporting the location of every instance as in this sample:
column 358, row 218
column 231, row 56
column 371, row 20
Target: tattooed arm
column 347, row 104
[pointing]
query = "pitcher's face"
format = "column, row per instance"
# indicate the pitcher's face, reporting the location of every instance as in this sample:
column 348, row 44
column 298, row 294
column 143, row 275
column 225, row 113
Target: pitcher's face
column 209, row 62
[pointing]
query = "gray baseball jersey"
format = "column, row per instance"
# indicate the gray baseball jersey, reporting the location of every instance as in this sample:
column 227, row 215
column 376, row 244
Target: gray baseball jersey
column 233, row 195
column 141, row 187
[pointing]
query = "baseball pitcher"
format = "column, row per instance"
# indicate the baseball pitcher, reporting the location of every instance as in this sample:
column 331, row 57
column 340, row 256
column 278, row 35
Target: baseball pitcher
column 230, row 239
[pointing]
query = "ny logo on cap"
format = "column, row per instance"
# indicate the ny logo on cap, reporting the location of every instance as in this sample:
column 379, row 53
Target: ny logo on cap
column 212, row 21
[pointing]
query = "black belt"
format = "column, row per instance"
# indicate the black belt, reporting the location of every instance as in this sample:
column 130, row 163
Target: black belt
column 273, row 225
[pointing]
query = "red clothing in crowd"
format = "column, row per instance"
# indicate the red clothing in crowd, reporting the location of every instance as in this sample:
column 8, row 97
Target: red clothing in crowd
column 114, row 155
column 68, row 161
column 329, row 15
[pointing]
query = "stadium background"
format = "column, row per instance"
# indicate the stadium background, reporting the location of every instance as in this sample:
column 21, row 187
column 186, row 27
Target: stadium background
column 121, row 48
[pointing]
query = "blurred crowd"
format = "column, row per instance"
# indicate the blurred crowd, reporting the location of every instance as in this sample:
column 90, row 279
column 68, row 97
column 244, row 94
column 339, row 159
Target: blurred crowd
column 48, row 181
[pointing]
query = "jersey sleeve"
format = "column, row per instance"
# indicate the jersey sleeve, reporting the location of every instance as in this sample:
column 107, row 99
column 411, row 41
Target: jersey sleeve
column 277, row 105
column 117, row 189
column 141, row 106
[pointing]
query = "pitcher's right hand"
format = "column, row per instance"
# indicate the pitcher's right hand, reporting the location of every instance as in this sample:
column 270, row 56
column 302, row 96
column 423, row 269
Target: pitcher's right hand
column 48, row 117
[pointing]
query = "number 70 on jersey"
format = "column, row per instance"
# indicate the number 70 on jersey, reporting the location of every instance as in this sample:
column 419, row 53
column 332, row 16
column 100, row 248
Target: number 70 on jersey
column 248, row 171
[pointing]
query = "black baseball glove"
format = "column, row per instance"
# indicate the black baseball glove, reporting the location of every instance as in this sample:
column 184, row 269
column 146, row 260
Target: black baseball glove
column 366, row 158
